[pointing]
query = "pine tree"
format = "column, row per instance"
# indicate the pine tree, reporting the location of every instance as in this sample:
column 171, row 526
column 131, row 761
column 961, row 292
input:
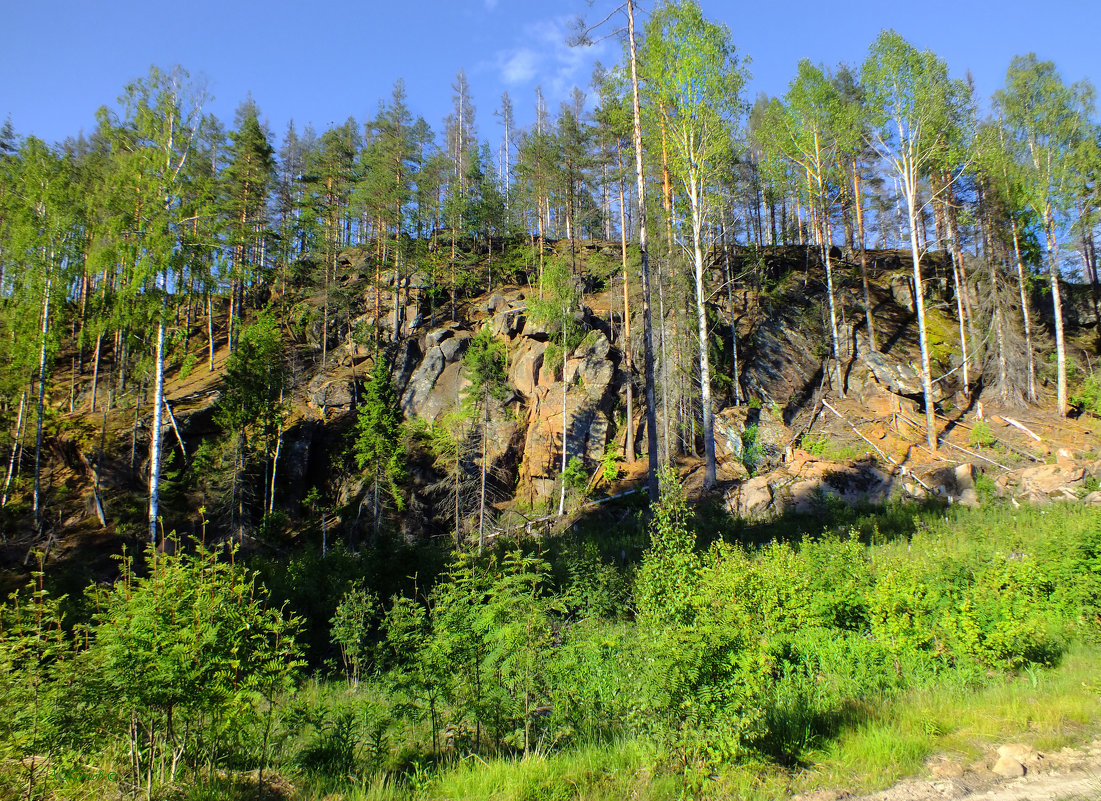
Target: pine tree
column 485, row 360
column 247, row 179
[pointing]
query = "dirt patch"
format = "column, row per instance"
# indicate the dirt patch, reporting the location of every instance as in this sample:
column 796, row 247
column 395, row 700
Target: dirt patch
column 1071, row 773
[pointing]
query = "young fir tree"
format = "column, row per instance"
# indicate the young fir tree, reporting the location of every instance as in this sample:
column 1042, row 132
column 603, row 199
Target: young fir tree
column 252, row 412
column 380, row 442
column 485, row 361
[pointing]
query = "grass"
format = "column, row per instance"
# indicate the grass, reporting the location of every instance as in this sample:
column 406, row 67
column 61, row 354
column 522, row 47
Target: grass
column 889, row 740
column 1048, row 709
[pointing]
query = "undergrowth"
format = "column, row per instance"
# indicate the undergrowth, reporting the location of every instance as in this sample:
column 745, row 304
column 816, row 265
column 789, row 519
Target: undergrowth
column 686, row 656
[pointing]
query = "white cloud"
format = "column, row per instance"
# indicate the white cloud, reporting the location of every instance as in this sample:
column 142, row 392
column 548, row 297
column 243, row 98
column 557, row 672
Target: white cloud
column 519, row 67
column 546, row 59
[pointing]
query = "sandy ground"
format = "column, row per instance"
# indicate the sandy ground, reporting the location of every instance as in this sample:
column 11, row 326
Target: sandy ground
column 1070, row 773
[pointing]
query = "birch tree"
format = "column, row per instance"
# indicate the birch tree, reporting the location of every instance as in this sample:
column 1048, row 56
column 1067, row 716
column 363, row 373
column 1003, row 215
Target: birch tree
column 911, row 102
column 1046, row 119
column 161, row 116
column 584, row 37
column 807, row 127
column 695, row 75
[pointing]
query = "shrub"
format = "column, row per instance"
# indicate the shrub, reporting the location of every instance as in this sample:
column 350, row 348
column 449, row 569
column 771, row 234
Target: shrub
column 575, row 477
column 185, row 653
column 1088, row 396
column 981, row 435
column 752, row 450
column 350, row 629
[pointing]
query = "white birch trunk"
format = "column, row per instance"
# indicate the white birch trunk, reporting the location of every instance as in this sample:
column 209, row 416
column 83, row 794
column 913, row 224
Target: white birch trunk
column 155, row 437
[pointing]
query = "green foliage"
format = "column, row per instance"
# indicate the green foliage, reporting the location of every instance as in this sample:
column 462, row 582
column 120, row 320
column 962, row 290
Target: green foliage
column 985, row 487
column 752, row 450
column 485, row 360
column 36, row 663
column 351, row 627
column 1088, row 396
column 480, row 650
column 592, row 588
column 981, row 436
column 183, row 653
column 610, row 462
column 558, row 297
column 575, row 477
column 254, row 380
column 380, row 435
column 815, row 444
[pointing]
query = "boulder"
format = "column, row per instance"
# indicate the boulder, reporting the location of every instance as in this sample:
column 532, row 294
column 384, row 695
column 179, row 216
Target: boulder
column 773, row 438
column 964, row 477
column 902, row 291
column 453, row 348
column 899, row 378
column 436, row 336
column 508, row 323
column 729, row 427
column 751, row 499
column 805, row 485
column 526, row 368
column 945, row 768
column 1047, row 479
column 1008, row 768
column 534, row 329
column 595, row 369
column 880, row 402
column 955, row 484
column 1021, row 752
column 324, row 393
column 427, row 395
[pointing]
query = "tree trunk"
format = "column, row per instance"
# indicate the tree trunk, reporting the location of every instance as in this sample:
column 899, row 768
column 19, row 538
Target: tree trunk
column 155, row 437
column 37, row 506
column 647, row 335
column 14, row 449
column 95, row 372
column 919, row 305
column 825, row 237
column 628, row 358
column 728, row 279
column 709, row 477
column 1026, row 315
column 565, row 428
column 210, row 331
column 482, row 494
column 863, row 258
column 1057, row 302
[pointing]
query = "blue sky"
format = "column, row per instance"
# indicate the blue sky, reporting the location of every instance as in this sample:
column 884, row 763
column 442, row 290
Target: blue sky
column 322, row 61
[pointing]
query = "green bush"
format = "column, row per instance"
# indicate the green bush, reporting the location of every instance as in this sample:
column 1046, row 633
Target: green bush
column 752, row 450
column 186, row 653
column 981, row 436
column 1088, row 396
